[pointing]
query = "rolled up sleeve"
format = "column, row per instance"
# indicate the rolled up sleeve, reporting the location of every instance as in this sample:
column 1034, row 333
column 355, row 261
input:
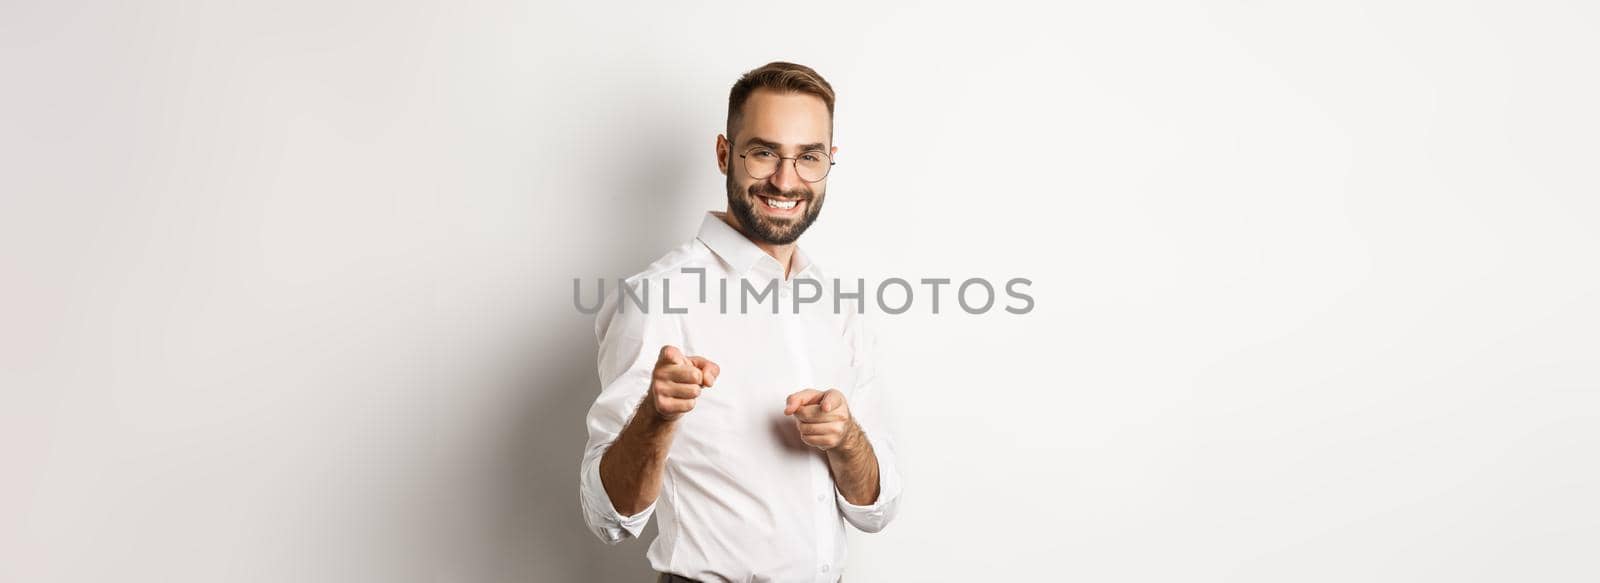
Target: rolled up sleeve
column 598, row 511
column 868, row 407
column 628, row 343
column 873, row 517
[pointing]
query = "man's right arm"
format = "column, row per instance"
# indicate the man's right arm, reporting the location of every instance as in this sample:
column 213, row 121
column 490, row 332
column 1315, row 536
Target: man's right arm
column 631, row 468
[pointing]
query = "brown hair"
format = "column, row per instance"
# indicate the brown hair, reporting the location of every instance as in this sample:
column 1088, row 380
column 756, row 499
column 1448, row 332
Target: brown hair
column 781, row 77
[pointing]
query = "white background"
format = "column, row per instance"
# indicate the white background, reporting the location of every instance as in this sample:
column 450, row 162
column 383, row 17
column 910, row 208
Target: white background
column 286, row 286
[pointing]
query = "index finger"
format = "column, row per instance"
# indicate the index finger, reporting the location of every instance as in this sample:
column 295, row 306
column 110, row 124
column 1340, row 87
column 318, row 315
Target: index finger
column 799, row 399
column 710, row 369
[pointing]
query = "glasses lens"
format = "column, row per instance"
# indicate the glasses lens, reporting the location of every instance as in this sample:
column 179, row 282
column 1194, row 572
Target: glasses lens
column 761, row 163
column 812, row 166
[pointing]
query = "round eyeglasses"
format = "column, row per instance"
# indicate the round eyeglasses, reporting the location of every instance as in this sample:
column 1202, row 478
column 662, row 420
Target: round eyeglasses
column 811, row 166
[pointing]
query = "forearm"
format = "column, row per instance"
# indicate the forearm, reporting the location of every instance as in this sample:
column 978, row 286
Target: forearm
column 855, row 468
column 632, row 466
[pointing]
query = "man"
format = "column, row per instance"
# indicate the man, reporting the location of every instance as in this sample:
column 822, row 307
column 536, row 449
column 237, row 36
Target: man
column 754, row 432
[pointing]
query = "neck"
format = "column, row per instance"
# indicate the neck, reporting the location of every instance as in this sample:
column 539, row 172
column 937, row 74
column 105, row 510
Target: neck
column 784, row 254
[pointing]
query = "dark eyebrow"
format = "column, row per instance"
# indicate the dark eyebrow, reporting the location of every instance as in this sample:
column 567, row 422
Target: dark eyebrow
column 771, row 145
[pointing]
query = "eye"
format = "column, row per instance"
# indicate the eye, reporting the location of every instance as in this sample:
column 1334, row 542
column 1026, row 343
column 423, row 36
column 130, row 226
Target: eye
column 811, row 157
column 763, row 154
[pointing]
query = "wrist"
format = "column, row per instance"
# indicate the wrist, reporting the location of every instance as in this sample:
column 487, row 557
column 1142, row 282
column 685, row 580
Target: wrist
column 651, row 420
column 854, row 442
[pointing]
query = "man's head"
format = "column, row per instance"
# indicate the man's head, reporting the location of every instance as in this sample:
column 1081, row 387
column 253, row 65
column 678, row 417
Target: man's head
column 778, row 150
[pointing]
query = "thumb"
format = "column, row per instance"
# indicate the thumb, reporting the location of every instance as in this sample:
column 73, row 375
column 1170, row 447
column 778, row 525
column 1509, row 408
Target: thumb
column 833, row 399
column 670, row 355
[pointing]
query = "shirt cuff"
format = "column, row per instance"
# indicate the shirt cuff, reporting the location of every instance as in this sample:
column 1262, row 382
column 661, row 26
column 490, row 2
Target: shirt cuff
column 873, row 517
column 888, row 489
column 611, row 526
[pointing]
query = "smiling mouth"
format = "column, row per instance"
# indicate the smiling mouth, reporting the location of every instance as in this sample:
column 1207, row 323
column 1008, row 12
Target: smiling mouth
column 779, row 204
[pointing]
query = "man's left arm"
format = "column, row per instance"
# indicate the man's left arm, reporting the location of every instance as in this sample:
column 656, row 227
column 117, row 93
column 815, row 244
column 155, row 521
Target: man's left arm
column 860, row 451
column 855, row 467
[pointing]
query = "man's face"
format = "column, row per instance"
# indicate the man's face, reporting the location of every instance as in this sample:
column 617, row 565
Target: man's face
column 788, row 125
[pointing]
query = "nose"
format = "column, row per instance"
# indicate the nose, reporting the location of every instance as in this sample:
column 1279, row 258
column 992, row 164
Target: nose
column 787, row 177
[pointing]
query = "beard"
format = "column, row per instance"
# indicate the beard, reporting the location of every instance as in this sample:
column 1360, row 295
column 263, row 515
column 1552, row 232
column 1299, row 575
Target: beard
column 765, row 228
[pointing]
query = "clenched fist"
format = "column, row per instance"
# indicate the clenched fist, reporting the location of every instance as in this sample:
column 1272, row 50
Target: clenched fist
column 676, row 382
column 823, row 418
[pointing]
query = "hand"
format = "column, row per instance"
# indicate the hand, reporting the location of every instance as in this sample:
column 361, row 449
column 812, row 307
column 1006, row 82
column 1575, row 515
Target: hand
column 823, row 418
column 676, row 382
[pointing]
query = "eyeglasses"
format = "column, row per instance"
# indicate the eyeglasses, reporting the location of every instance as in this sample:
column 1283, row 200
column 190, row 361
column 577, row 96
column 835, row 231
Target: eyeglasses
column 811, row 166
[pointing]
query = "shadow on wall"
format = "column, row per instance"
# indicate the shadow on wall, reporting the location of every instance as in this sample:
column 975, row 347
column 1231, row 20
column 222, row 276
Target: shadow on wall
column 549, row 441
column 558, row 376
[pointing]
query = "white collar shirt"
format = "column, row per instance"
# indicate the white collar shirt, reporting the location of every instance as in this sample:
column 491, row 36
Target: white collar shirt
column 742, row 498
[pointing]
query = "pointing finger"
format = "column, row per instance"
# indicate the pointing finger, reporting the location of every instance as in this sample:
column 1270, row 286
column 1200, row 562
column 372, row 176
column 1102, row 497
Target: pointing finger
column 710, row 371
column 800, row 399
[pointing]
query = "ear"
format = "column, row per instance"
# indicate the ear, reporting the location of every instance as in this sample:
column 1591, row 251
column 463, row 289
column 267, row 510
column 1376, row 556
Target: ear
column 723, row 147
column 833, row 152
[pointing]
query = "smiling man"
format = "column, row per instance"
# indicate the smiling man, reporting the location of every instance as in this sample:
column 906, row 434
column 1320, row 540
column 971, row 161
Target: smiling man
column 755, row 434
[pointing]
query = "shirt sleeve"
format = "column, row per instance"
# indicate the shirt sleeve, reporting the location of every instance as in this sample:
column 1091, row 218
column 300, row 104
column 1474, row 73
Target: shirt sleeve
column 867, row 406
column 629, row 341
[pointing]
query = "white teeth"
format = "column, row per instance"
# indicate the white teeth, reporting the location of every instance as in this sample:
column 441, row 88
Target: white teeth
column 788, row 204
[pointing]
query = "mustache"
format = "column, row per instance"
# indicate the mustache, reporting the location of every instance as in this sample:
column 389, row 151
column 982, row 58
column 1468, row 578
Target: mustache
column 768, row 190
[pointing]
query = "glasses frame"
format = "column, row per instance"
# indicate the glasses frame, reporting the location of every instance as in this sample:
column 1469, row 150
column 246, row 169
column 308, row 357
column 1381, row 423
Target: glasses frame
column 793, row 161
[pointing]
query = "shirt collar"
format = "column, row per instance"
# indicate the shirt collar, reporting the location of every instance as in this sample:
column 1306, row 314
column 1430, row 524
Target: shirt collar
column 740, row 254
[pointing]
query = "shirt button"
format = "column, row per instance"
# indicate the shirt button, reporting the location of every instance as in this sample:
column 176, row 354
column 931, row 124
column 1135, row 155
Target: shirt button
column 822, row 497
column 824, row 568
